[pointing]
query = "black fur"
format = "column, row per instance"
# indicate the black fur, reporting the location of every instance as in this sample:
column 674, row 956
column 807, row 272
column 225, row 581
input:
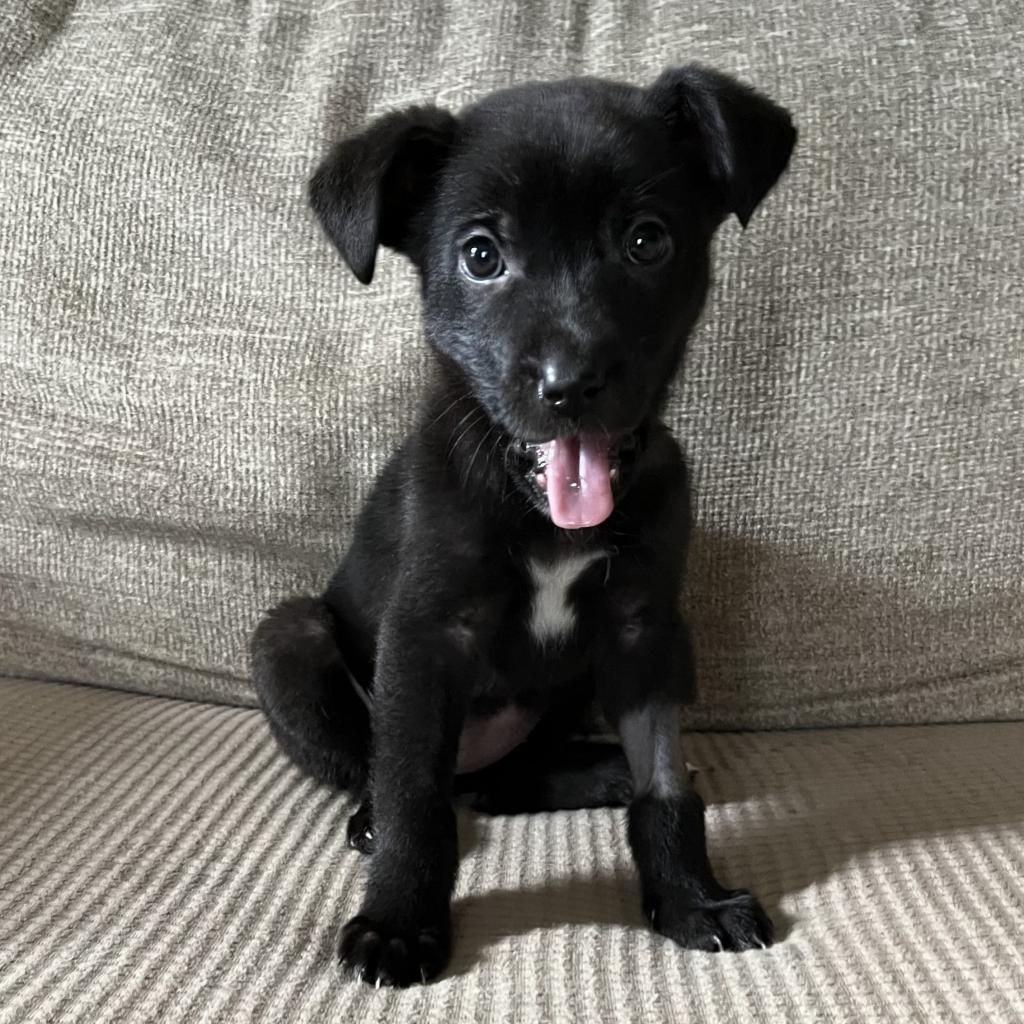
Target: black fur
column 425, row 627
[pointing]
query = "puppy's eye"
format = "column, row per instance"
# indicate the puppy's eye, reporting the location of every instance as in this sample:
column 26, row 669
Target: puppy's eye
column 481, row 258
column 648, row 242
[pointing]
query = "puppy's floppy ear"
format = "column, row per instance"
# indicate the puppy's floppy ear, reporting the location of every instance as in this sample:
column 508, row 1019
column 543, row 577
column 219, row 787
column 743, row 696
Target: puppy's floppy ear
column 745, row 138
column 370, row 187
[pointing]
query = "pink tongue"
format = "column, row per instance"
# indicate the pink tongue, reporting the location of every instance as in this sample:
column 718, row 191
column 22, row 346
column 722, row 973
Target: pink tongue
column 579, row 480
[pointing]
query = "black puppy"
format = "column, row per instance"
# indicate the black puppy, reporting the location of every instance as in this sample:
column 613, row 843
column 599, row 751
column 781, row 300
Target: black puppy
column 524, row 549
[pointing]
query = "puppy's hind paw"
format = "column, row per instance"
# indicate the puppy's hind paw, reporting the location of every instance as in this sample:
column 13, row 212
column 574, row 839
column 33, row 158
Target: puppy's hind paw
column 360, row 831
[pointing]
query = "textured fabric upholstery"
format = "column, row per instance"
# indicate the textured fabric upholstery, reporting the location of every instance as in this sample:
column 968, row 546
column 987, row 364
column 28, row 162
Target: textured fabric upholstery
column 195, row 396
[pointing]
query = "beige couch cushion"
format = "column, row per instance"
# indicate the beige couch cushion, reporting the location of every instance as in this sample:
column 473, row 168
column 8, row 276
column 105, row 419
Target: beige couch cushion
column 161, row 862
column 195, row 396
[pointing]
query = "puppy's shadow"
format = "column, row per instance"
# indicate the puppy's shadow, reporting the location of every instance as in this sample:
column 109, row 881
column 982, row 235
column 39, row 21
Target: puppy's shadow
column 611, row 900
column 485, row 919
column 779, row 856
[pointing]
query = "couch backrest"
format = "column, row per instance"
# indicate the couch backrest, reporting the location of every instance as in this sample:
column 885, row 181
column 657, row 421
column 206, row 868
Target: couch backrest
column 195, row 395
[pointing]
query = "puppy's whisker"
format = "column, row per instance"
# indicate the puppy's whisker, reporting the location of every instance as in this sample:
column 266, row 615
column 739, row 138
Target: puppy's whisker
column 448, row 408
column 464, row 418
column 494, row 453
column 499, row 463
column 476, row 451
column 453, row 447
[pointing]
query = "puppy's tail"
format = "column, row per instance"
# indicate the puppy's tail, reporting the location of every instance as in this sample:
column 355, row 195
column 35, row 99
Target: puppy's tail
column 317, row 710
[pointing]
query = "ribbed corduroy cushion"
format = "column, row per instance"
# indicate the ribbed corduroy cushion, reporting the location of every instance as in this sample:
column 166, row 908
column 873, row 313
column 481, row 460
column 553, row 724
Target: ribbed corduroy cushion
column 161, row 862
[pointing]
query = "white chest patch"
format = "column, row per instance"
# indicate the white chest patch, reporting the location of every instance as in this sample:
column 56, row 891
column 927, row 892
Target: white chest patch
column 552, row 617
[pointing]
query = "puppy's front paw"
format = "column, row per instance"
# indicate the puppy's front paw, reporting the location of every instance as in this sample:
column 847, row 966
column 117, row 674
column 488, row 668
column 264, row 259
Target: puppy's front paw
column 381, row 954
column 735, row 922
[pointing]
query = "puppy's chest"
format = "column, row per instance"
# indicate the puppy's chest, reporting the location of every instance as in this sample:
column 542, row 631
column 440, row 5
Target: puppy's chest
column 556, row 590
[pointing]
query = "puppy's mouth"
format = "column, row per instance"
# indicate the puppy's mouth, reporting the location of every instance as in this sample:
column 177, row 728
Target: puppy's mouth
column 577, row 477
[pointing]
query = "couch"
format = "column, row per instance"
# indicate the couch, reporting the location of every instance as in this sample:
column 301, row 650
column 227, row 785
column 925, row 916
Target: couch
column 194, row 398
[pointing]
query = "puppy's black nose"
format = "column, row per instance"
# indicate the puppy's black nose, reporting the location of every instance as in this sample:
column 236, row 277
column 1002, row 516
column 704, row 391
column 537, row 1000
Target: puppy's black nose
column 569, row 390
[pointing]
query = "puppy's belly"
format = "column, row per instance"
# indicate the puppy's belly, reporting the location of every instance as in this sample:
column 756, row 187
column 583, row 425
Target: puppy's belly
column 485, row 740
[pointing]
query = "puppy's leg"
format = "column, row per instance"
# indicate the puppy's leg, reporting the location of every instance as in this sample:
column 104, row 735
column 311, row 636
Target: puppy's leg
column 308, row 692
column 402, row 934
column 681, row 896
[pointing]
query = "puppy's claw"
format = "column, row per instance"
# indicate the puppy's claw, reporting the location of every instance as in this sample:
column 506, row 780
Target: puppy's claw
column 423, row 975
column 718, row 942
column 376, row 984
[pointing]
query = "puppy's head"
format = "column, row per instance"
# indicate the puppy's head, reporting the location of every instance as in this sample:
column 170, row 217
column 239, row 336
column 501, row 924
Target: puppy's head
column 561, row 232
